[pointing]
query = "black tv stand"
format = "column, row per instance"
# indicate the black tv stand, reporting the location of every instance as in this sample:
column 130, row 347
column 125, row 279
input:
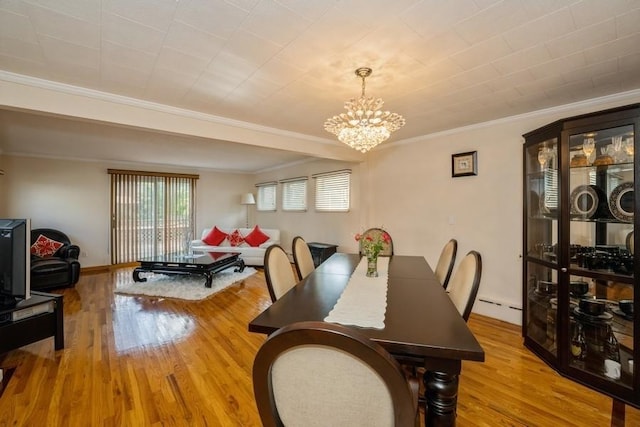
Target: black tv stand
column 36, row 318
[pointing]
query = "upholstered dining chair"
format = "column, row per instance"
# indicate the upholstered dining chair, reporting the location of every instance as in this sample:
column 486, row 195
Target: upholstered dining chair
column 375, row 233
column 447, row 259
column 324, row 374
column 464, row 284
column 302, row 257
column 278, row 272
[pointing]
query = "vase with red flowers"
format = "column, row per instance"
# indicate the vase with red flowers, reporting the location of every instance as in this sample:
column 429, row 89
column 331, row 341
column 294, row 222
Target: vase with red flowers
column 372, row 244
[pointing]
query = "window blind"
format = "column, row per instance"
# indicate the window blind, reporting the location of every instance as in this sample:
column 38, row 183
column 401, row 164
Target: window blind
column 294, row 194
column 333, row 191
column 151, row 214
column 266, row 196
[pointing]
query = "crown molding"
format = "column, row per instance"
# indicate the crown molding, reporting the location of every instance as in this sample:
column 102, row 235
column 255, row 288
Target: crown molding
column 153, row 106
column 622, row 97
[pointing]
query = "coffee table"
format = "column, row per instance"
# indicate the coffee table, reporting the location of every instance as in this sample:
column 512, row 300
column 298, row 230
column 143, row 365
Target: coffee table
column 204, row 264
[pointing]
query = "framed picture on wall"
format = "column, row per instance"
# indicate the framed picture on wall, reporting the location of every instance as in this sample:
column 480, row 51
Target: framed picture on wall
column 464, row 164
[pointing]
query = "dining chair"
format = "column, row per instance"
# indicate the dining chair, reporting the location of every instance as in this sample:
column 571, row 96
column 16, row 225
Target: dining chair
column 447, row 259
column 324, row 374
column 464, row 284
column 629, row 242
column 375, row 233
column 278, row 272
column 302, row 257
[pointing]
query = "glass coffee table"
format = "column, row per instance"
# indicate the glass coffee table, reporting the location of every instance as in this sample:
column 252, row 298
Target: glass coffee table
column 204, row 264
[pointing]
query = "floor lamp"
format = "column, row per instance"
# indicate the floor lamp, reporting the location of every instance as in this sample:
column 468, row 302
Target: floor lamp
column 248, row 199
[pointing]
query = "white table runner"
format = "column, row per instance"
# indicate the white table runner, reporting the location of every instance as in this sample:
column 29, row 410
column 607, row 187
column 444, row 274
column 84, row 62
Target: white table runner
column 363, row 301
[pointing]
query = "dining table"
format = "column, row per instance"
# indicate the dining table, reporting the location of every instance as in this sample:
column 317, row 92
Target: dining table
column 422, row 326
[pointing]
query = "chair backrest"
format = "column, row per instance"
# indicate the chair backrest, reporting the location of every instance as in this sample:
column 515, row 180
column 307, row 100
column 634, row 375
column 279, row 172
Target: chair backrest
column 324, row 374
column 302, row 257
column 629, row 242
column 464, row 284
column 447, row 259
column 375, row 233
column 278, row 272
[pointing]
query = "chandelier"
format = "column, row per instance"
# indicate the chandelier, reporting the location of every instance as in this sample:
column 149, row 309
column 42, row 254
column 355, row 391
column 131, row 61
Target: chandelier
column 364, row 125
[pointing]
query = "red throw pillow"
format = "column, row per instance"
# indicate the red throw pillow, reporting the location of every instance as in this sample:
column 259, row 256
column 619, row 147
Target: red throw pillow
column 256, row 237
column 235, row 238
column 215, row 237
column 44, row 246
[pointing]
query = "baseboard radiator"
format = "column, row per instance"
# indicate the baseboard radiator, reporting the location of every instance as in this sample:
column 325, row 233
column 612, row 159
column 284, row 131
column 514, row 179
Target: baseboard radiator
column 503, row 310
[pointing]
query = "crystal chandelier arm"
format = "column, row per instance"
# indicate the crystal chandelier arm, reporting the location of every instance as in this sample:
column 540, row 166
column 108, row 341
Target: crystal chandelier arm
column 364, row 125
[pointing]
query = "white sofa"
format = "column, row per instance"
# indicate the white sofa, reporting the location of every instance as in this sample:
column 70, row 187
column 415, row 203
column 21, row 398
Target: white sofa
column 251, row 255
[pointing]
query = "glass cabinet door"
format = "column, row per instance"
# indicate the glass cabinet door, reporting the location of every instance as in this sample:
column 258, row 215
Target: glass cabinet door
column 541, row 218
column 601, row 211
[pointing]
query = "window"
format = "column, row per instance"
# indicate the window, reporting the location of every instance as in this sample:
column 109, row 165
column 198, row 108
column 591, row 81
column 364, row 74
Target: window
column 266, row 196
column 294, row 194
column 151, row 214
column 332, row 191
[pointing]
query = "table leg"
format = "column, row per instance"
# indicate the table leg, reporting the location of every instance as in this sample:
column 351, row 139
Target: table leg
column 136, row 275
column 240, row 265
column 209, row 277
column 441, row 393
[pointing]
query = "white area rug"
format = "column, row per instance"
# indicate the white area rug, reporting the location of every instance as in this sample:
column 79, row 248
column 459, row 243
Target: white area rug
column 182, row 286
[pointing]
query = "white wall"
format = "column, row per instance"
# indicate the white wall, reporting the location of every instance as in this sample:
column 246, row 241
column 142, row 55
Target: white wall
column 73, row 196
column 412, row 194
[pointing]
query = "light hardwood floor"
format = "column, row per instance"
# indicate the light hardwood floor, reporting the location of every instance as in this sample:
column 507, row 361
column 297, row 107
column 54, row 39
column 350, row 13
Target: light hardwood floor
column 138, row 361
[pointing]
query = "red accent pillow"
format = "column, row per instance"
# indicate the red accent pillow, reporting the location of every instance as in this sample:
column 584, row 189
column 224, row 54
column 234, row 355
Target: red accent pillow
column 235, row 238
column 256, row 237
column 44, row 246
column 215, row 237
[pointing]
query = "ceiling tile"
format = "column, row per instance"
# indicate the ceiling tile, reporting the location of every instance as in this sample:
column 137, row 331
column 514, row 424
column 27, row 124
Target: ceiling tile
column 279, row 71
column 311, row 10
column 582, row 39
column 20, row 65
column 86, row 10
column 156, row 14
column 21, row 49
column 124, row 56
column 56, row 50
column 492, row 21
column 429, row 18
column 17, row 26
column 174, row 60
column 64, row 27
column 265, row 21
column 193, row 41
column 627, row 23
column 251, row 48
column 613, row 49
column 522, row 59
column 480, row 53
column 540, row 30
column 136, row 36
column 588, row 12
column 218, row 18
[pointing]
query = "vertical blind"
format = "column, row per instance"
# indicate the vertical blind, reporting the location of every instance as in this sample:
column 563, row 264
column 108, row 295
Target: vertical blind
column 266, row 196
column 294, row 194
column 333, row 190
column 151, row 214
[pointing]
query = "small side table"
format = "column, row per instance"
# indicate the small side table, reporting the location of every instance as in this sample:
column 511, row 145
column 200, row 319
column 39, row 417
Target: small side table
column 321, row 251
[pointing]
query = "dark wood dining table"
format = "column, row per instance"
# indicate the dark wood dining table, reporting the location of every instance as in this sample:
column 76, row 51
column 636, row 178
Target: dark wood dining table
column 421, row 323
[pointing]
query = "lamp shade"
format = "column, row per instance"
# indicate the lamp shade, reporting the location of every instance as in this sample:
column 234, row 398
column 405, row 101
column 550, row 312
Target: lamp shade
column 247, row 199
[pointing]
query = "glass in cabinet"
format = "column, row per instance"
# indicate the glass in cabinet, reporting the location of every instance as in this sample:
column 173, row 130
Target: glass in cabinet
column 580, row 264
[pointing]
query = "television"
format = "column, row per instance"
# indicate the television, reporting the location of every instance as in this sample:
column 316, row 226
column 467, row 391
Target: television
column 15, row 261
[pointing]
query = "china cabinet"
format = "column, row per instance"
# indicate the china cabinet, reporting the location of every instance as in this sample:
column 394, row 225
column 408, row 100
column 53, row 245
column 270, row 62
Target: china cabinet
column 579, row 264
